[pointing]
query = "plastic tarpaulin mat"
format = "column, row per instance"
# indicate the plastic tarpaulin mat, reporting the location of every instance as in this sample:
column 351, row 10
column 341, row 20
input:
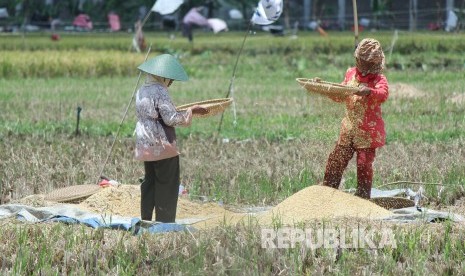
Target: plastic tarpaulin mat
column 72, row 215
column 415, row 214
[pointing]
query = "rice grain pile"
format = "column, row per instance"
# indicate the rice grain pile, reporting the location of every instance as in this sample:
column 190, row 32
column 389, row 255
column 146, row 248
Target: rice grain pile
column 314, row 202
column 124, row 200
column 321, row 202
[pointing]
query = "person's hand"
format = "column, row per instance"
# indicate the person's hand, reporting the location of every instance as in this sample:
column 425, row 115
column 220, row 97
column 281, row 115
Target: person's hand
column 363, row 91
column 197, row 109
column 188, row 117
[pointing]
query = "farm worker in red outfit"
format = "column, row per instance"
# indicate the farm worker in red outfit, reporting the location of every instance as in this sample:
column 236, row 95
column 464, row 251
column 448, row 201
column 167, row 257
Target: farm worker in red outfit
column 362, row 130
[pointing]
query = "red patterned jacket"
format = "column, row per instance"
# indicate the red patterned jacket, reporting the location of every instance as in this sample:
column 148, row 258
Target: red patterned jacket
column 363, row 125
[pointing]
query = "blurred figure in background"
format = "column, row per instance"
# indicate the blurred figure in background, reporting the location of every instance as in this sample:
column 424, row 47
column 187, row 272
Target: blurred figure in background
column 114, row 22
column 138, row 42
column 193, row 17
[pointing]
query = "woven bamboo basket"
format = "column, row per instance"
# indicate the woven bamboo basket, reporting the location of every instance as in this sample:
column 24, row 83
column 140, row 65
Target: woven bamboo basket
column 72, row 193
column 213, row 107
column 326, row 88
column 393, row 202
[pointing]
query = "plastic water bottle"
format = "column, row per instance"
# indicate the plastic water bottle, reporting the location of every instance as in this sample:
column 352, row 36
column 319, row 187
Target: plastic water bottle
column 182, row 190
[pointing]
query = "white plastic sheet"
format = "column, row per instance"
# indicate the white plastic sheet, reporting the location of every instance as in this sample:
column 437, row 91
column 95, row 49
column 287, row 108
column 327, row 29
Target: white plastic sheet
column 235, row 14
column 164, row 7
column 272, row 8
column 3, row 13
column 451, row 22
column 217, row 25
column 267, row 12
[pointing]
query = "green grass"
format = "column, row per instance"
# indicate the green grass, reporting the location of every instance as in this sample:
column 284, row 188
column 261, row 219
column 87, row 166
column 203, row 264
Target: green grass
column 88, row 55
column 336, row 43
column 59, row 249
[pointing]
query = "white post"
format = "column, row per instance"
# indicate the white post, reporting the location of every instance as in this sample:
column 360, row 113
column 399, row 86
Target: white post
column 307, row 9
column 341, row 15
column 449, row 6
column 413, row 15
column 354, row 4
column 450, row 16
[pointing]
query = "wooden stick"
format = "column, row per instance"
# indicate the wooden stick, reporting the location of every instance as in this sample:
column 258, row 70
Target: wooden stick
column 416, row 183
column 145, row 19
column 122, row 120
column 78, row 119
column 233, row 77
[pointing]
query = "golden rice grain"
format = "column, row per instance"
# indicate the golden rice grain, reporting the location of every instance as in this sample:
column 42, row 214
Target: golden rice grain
column 321, row 202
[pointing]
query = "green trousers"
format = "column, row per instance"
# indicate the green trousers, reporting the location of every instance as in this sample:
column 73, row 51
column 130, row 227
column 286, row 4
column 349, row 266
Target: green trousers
column 160, row 189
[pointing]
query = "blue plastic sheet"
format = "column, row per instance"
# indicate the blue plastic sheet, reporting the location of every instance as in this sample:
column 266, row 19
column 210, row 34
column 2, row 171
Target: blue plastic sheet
column 72, row 215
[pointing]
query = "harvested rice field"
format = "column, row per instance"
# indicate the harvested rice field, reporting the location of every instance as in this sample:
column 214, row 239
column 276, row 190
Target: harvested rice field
column 252, row 204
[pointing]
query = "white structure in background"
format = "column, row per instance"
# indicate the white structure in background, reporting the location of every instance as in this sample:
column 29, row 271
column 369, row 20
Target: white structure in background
column 3, row 13
column 313, row 25
column 307, row 9
column 165, row 7
column 217, row 25
column 451, row 22
column 413, row 12
column 267, row 12
column 235, row 14
column 451, row 17
column 272, row 8
column 364, row 22
column 341, row 14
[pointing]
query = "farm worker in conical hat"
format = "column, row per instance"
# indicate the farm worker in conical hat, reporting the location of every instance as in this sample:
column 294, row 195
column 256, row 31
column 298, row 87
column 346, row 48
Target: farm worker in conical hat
column 156, row 137
column 362, row 130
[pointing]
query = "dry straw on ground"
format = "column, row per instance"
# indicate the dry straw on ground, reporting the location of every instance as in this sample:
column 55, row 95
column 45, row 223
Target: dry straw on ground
column 403, row 90
column 457, row 98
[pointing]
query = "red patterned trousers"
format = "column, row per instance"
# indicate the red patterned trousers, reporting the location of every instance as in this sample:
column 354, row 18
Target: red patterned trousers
column 338, row 161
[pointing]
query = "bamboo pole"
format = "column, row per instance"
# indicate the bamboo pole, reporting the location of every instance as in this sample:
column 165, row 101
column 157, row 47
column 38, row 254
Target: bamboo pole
column 122, row 120
column 233, row 77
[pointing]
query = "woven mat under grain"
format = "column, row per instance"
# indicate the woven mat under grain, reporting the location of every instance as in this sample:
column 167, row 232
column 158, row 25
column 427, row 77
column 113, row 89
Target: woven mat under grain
column 72, row 193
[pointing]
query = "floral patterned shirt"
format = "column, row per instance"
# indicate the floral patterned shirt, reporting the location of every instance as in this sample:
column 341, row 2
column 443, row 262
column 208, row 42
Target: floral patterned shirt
column 363, row 125
column 157, row 116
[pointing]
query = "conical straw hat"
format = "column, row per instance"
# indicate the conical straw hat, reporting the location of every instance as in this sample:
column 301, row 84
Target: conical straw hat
column 165, row 66
column 72, row 193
